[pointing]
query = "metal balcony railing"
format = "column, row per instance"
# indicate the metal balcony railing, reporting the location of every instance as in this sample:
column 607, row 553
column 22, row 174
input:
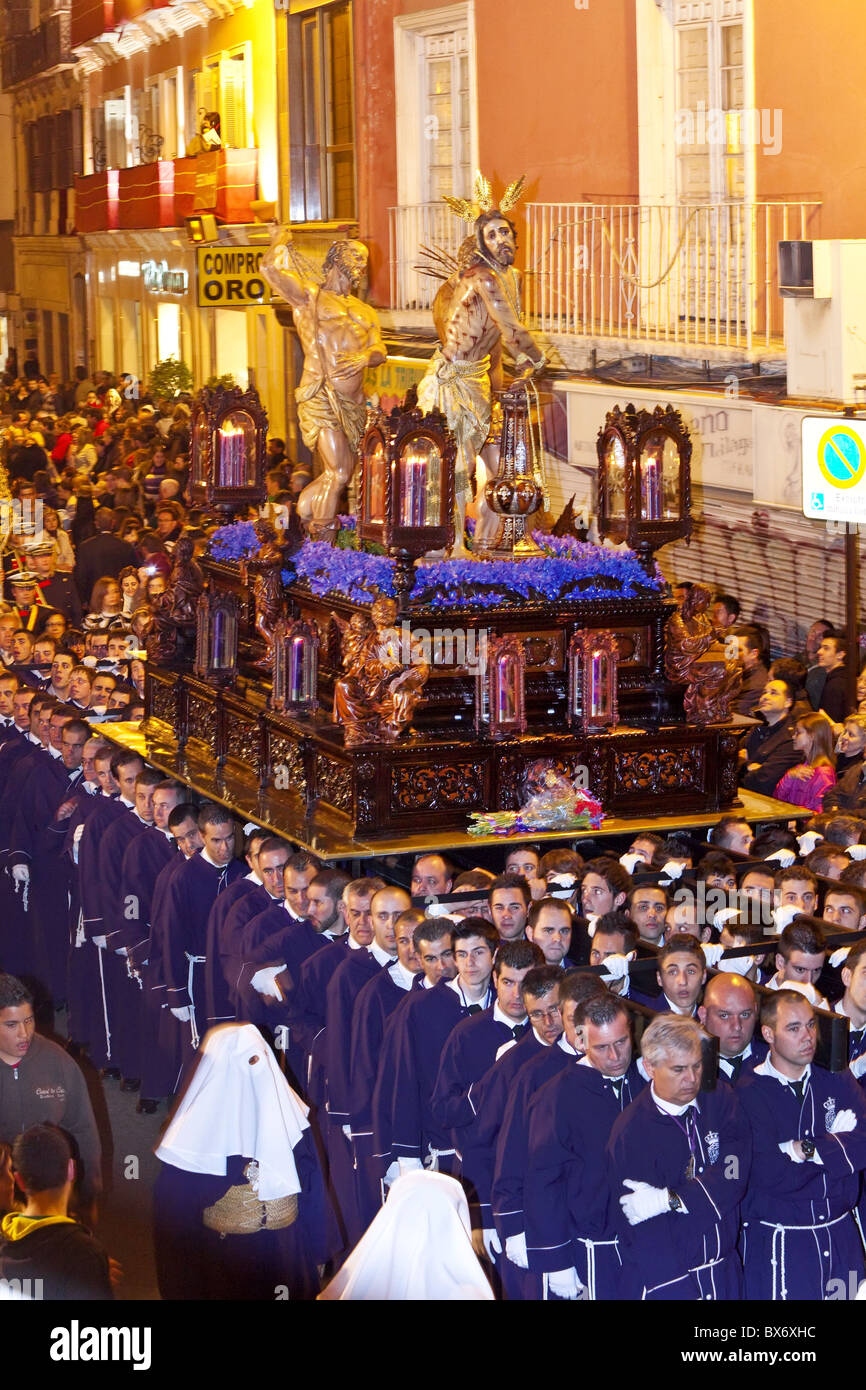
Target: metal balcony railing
column 37, row 52
column 694, row 274
column 411, row 228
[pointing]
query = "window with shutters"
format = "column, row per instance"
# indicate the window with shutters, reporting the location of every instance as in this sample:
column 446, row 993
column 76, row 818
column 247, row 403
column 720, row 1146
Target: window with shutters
column 322, row 115
column 115, row 131
column 710, row 86
column 436, row 100
column 224, row 84
column 63, row 149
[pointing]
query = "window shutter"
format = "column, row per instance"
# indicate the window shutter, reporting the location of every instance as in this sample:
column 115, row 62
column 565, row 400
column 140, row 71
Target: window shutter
column 115, row 133
column 77, row 140
column 233, row 104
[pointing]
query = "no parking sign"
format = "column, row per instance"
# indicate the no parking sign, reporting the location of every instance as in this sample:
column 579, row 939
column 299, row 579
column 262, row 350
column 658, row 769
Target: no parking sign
column 834, row 468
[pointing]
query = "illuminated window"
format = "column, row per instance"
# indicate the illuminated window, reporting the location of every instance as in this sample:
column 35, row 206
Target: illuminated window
column 322, row 115
column 710, row 165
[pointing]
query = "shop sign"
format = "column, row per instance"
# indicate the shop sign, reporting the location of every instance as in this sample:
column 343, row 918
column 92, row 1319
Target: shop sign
column 230, row 277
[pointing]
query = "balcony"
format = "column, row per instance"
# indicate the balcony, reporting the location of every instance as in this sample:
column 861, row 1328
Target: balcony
column 164, row 192
column 694, row 275
column 37, row 53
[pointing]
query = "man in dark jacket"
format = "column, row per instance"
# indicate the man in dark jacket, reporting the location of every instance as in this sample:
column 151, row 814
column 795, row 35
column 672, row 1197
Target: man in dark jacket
column 834, row 697
column 770, row 751
column 44, row 1252
column 103, row 554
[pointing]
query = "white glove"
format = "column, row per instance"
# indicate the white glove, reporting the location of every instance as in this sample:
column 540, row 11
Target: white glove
column 808, row 840
column 492, row 1243
column 858, row 1066
column 784, row 857
column 615, row 967
column 839, row 956
column 673, row 869
column 629, row 861
column 347, row 1130
column 724, row 915
column 844, row 1122
column 856, row 851
column 183, row 1015
column 565, row 1283
column 643, row 1202
column 99, row 941
column 264, row 981
column 121, row 951
column 591, row 923
column 515, row 1251
column 20, row 873
column 713, row 953
column 409, row 1165
column 782, row 917
column 392, row 1173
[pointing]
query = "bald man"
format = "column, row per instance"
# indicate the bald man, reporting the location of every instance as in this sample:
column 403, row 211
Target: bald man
column 729, row 1012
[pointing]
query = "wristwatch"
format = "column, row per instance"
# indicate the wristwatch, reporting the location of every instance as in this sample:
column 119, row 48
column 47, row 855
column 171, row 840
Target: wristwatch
column 808, row 1147
column 674, row 1202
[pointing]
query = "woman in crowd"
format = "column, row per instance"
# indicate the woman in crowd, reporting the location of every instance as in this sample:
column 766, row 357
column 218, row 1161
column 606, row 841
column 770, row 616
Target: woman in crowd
column 106, row 606
column 805, row 784
column 62, row 543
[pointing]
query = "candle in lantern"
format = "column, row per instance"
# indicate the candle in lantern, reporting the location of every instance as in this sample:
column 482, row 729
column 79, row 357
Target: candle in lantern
column 413, row 467
column 506, row 704
column 599, row 686
column 299, row 672
column 651, row 488
column 232, row 455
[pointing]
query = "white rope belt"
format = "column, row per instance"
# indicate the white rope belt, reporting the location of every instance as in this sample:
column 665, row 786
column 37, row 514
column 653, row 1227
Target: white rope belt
column 193, row 962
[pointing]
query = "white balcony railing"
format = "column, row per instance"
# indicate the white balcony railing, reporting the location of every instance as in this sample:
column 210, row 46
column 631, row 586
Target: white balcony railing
column 701, row 274
column 693, row 274
column 411, row 228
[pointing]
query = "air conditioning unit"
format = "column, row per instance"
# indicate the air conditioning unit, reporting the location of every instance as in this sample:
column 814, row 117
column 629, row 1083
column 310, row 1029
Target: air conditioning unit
column 825, row 319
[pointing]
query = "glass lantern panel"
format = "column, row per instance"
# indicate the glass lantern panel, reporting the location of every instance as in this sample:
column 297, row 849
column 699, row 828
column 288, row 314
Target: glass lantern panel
column 419, row 473
column 660, row 478
column 199, row 430
column 374, row 500
column 222, row 640
column 614, row 458
column 600, row 704
column 576, row 692
column 506, row 690
column 301, row 671
column 235, row 449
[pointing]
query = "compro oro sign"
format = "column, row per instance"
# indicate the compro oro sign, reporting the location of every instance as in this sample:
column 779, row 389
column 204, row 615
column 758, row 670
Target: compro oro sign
column 834, row 468
column 230, row 277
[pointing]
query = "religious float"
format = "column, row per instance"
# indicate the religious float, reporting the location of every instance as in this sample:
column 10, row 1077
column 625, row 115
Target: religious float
column 376, row 683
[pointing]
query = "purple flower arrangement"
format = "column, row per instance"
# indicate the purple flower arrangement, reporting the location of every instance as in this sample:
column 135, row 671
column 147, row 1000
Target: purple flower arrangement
column 236, row 542
column 568, row 569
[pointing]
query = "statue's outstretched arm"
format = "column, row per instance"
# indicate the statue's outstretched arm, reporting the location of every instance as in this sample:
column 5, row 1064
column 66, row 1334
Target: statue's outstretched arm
column 276, row 268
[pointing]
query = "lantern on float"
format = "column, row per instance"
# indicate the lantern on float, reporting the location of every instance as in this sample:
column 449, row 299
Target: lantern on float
column 216, row 637
column 228, row 438
column 593, row 663
column 296, row 667
column 500, row 689
column 644, row 479
column 407, row 488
